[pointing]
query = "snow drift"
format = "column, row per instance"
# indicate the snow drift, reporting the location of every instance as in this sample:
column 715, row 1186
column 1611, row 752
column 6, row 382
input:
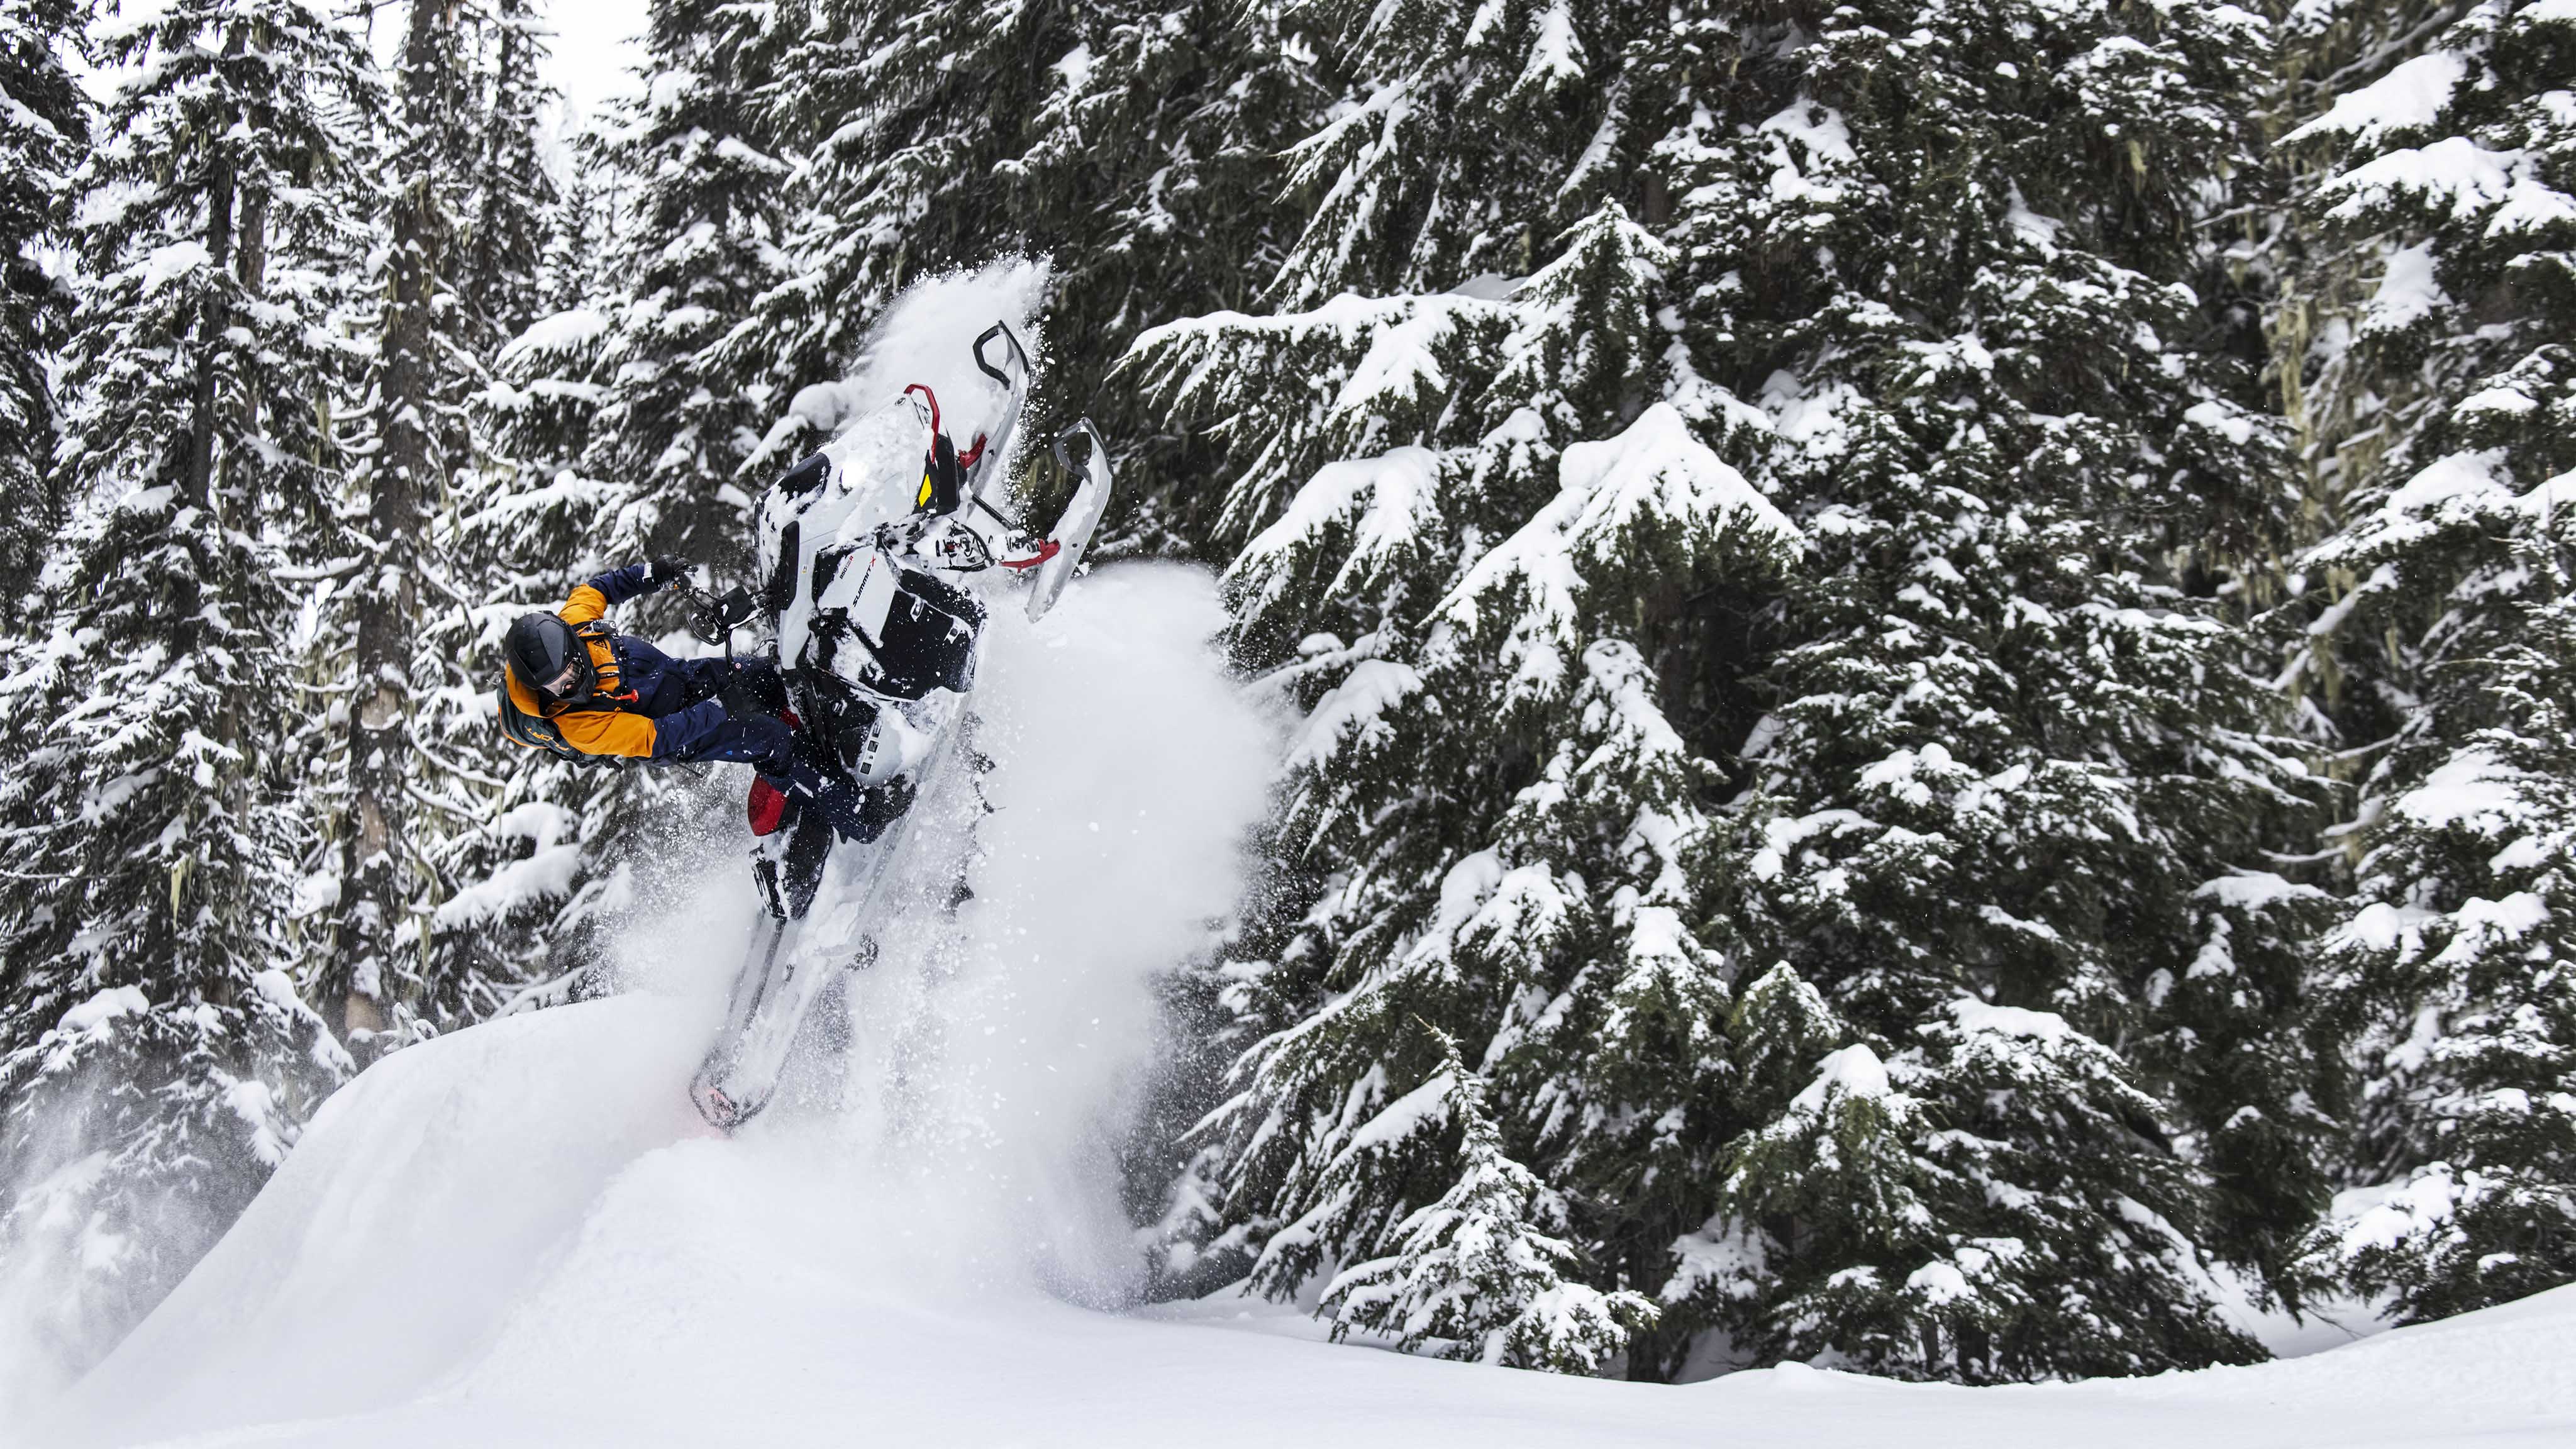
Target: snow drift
column 449, row 1260
column 532, row 1203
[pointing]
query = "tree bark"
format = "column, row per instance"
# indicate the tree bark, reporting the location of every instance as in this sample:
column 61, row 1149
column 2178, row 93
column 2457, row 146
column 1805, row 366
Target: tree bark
column 196, row 483
column 377, row 852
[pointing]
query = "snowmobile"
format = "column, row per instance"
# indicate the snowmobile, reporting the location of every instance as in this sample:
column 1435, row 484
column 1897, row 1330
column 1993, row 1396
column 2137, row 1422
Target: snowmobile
column 878, row 560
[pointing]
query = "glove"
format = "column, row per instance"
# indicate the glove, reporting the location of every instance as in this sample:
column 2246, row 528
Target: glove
column 663, row 572
column 753, row 689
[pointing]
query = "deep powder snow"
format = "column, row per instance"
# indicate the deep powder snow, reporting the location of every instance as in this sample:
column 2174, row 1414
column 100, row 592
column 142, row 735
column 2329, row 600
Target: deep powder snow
column 504, row 1215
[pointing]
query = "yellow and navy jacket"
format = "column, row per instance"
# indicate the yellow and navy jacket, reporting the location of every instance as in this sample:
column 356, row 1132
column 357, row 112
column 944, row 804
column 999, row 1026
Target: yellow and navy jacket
column 648, row 706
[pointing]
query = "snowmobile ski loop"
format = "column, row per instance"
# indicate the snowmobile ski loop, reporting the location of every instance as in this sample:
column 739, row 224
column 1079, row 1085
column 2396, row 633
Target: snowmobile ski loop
column 1073, row 531
column 1004, row 332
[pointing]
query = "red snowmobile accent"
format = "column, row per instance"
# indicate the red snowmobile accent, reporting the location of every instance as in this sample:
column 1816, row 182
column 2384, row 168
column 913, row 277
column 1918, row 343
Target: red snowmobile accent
column 969, row 458
column 768, row 806
column 1046, row 550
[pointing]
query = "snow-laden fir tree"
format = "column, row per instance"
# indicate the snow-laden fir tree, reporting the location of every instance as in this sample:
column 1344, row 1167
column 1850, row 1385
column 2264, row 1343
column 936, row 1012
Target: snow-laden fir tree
column 513, row 202
column 1997, row 814
column 1465, row 127
column 44, row 122
column 157, row 1058
column 1150, row 179
column 2439, row 397
column 684, row 399
column 408, row 438
column 614, row 427
column 898, row 116
column 1482, row 1272
column 1487, row 540
column 576, row 251
column 1999, row 810
column 1876, row 1162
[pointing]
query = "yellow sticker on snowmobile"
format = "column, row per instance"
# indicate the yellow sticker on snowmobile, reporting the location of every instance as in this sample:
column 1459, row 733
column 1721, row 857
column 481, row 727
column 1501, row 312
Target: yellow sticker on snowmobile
column 924, row 500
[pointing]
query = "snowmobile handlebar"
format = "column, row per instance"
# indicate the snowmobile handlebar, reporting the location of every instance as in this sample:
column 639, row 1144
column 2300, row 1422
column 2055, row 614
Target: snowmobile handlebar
column 714, row 617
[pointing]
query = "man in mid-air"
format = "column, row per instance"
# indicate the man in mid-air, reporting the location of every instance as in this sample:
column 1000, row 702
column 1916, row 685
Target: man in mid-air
column 575, row 687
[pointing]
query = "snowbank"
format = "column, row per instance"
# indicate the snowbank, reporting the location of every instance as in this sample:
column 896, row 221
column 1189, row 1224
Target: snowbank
column 458, row 1255
column 522, row 1230
column 439, row 1184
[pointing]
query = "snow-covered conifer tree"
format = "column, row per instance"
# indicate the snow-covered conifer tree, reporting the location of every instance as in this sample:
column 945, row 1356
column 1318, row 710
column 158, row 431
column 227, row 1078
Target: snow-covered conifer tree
column 1486, row 536
column 1150, row 178
column 1483, row 1271
column 157, row 1058
column 681, row 408
column 44, row 122
column 423, row 358
column 899, row 117
column 2437, row 388
column 513, row 206
column 2013, row 736
column 577, row 247
column 1854, row 1178
column 2012, row 767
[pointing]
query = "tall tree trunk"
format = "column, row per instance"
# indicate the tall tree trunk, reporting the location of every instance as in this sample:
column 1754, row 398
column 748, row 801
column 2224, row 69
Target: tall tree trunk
column 197, row 483
column 197, row 478
column 376, row 849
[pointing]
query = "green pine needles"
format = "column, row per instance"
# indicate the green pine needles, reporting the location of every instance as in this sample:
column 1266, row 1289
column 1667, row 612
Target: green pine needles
column 2439, row 389
column 1878, row 887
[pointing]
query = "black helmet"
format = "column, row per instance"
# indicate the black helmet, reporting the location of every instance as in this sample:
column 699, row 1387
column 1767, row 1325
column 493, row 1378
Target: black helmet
column 548, row 659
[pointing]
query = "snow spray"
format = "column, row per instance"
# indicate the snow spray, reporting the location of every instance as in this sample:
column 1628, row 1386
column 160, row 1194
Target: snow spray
column 529, row 1212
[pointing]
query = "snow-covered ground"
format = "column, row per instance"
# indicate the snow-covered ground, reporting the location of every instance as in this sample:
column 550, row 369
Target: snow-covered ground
column 517, row 1235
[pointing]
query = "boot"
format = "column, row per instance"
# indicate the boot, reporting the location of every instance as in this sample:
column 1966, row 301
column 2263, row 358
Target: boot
column 842, row 803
